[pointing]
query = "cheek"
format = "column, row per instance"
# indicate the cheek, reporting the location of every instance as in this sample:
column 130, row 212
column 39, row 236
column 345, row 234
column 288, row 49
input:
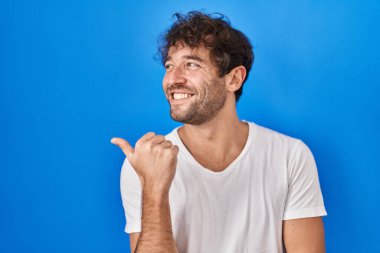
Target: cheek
column 199, row 83
column 164, row 83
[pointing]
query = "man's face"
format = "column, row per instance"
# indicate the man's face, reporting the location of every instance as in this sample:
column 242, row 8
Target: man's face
column 192, row 86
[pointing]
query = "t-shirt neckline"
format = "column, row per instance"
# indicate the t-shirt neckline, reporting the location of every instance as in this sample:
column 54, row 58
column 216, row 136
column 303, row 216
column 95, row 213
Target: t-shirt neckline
column 229, row 168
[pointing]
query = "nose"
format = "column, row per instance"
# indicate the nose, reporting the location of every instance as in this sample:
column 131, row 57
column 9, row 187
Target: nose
column 175, row 76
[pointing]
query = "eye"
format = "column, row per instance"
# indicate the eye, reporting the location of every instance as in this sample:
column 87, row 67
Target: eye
column 192, row 65
column 168, row 66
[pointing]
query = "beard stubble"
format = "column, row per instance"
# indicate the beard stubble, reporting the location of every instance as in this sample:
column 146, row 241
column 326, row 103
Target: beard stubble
column 201, row 109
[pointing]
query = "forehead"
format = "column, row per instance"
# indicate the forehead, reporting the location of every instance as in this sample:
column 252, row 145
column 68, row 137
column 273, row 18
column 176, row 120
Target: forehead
column 180, row 51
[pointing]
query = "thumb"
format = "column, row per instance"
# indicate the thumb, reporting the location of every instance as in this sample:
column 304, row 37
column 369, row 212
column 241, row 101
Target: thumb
column 123, row 145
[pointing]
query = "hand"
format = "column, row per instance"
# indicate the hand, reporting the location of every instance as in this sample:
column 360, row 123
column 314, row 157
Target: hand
column 154, row 160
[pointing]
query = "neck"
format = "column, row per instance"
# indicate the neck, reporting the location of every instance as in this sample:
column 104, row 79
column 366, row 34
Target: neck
column 219, row 137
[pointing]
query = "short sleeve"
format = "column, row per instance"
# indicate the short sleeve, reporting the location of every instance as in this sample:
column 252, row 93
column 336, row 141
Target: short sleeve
column 304, row 198
column 130, row 189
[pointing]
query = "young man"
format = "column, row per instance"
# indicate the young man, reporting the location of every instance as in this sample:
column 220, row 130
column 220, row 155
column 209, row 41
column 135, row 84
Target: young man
column 217, row 184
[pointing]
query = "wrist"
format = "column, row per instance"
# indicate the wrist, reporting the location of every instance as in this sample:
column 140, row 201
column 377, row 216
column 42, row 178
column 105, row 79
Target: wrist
column 155, row 188
column 155, row 191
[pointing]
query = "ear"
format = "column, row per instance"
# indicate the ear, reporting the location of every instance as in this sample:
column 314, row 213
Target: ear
column 235, row 78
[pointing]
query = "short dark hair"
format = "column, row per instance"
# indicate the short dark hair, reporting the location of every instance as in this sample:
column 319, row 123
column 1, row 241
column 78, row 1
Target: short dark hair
column 228, row 47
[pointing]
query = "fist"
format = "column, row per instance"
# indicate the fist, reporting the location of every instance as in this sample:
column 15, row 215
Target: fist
column 154, row 160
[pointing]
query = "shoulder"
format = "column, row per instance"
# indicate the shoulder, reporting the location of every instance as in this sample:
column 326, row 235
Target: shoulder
column 272, row 138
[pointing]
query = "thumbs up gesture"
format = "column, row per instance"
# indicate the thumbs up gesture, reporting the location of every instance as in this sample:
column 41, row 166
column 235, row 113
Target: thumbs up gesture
column 154, row 160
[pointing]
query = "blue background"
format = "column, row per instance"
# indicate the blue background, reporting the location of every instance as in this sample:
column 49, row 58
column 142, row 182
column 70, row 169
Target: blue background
column 74, row 74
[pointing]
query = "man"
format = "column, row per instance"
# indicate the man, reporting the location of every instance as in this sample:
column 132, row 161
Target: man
column 217, row 184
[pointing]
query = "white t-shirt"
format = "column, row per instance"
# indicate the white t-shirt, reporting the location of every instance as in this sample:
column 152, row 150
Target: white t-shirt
column 240, row 209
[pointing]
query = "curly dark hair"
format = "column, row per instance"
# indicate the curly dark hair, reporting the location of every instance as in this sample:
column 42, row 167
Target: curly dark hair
column 228, row 47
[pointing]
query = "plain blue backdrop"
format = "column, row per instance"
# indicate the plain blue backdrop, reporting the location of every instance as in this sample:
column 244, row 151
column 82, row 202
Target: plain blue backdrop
column 74, row 74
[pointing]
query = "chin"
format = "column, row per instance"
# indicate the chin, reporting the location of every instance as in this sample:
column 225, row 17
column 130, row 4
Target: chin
column 178, row 118
column 190, row 120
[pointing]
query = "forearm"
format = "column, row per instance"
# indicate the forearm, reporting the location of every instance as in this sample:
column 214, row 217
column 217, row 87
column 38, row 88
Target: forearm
column 304, row 235
column 156, row 233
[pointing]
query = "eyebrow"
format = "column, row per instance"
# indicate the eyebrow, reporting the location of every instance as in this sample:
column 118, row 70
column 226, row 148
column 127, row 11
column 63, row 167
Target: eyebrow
column 187, row 57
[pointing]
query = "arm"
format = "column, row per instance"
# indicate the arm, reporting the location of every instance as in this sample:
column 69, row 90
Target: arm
column 149, row 227
column 156, row 233
column 304, row 235
column 154, row 159
column 133, row 238
column 302, row 222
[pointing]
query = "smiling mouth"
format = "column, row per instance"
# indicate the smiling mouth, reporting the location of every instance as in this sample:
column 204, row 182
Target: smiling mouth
column 179, row 98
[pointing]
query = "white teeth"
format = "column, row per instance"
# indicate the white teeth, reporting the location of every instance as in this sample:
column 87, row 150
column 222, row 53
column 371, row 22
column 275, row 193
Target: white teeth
column 181, row 95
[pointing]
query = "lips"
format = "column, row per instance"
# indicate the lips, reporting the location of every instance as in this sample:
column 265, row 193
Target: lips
column 179, row 96
column 176, row 98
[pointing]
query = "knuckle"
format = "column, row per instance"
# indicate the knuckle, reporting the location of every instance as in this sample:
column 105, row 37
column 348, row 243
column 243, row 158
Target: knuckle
column 148, row 145
column 160, row 151
column 175, row 148
column 167, row 153
column 158, row 138
column 150, row 134
column 145, row 138
column 156, row 146
column 139, row 143
column 123, row 144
